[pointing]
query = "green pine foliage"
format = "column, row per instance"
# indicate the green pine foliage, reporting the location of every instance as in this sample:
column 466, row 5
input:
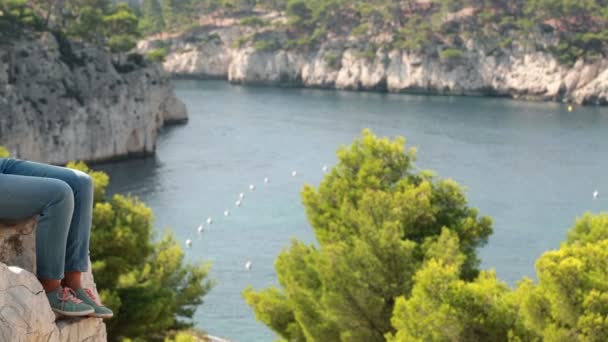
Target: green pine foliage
column 581, row 26
column 16, row 16
column 151, row 20
column 121, row 27
column 145, row 281
column 395, row 260
column 157, row 55
column 570, row 300
column 376, row 221
column 100, row 22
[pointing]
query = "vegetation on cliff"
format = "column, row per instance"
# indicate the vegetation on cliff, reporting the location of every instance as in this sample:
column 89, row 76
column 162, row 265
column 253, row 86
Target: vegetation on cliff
column 396, row 261
column 579, row 27
column 100, row 22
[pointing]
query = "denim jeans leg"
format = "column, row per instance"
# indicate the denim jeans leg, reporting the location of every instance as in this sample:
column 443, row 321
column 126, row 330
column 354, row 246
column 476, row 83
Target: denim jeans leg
column 52, row 199
column 77, row 245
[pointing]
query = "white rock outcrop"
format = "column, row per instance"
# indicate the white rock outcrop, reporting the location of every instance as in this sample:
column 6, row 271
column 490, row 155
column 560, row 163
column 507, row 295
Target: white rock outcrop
column 62, row 101
column 25, row 314
column 518, row 71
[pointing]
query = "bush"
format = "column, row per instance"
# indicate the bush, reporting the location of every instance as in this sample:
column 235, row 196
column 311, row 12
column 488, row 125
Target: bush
column 369, row 53
column 254, row 21
column 144, row 281
column 450, row 55
column 506, row 43
column 360, row 30
column 332, row 59
column 267, row 45
column 240, row 42
column 157, row 55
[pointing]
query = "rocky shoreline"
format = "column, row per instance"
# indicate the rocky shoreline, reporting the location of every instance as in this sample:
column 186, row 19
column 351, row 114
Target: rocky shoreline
column 485, row 68
column 62, row 101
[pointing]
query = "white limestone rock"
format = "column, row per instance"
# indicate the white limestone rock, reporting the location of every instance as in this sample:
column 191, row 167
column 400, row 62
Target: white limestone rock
column 518, row 71
column 25, row 314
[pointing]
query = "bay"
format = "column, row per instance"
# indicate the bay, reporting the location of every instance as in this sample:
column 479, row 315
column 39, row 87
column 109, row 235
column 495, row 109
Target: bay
column 531, row 166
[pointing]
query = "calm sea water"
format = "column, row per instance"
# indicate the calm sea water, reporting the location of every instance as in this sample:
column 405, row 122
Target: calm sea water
column 531, row 166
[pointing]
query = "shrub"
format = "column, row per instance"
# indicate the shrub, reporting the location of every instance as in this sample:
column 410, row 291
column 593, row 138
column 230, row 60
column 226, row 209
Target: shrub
column 144, row 281
column 254, row 21
column 240, row 42
column 267, row 45
column 332, row 59
column 360, row 30
column 157, row 55
column 450, row 55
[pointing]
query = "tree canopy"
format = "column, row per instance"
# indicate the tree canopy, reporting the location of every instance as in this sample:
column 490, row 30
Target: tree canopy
column 377, row 220
column 395, row 260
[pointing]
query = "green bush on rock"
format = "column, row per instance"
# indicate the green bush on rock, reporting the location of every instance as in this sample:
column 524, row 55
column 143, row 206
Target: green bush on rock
column 157, row 55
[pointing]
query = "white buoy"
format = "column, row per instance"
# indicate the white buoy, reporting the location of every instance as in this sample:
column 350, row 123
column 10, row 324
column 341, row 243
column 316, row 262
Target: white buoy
column 266, row 180
column 325, row 168
column 251, row 187
column 241, row 196
column 596, row 194
column 294, row 173
column 209, row 220
column 238, row 203
column 226, row 212
column 188, row 243
column 248, row 265
column 200, row 228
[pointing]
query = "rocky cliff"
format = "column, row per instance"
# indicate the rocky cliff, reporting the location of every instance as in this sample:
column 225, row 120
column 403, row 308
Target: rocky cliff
column 62, row 101
column 25, row 314
column 519, row 70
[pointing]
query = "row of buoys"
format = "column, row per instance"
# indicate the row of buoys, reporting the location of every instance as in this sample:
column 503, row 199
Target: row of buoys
column 238, row 203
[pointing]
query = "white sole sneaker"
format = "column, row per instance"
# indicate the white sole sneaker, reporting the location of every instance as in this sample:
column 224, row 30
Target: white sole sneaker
column 72, row 313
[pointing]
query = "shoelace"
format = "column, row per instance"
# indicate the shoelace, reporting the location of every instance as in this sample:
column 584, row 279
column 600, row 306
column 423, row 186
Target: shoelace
column 67, row 294
column 91, row 295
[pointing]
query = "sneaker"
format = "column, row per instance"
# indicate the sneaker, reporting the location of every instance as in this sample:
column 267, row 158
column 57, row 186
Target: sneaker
column 89, row 298
column 64, row 302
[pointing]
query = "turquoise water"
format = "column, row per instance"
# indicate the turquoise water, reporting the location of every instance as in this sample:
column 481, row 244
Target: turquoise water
column 531, row 166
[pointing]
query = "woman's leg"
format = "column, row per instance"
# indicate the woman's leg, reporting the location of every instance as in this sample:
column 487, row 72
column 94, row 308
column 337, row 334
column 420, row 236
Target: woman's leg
column 77, row 243
column 53, row 200
column 81, row 185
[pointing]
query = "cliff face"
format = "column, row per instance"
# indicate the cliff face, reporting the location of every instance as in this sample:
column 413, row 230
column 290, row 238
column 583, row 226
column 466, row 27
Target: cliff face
column 485, row 68
column 25, row 314
column 62, row 101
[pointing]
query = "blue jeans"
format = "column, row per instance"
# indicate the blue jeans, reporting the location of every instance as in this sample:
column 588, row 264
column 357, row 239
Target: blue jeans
column 63, row 199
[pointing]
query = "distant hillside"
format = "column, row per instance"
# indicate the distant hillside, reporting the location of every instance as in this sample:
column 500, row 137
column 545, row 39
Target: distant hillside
column 516, row 49
column 579, row 28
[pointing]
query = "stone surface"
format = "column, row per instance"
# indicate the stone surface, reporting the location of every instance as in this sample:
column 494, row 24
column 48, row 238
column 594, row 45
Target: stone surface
column 18, row 243
column 25, row 314
column 517, row 71
column 62, row 101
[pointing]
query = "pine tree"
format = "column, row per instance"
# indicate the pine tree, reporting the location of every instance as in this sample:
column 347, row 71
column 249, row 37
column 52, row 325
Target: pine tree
column 376, row 221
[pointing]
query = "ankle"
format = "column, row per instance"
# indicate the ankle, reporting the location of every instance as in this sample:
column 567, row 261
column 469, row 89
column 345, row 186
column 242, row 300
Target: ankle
column 49, row 285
